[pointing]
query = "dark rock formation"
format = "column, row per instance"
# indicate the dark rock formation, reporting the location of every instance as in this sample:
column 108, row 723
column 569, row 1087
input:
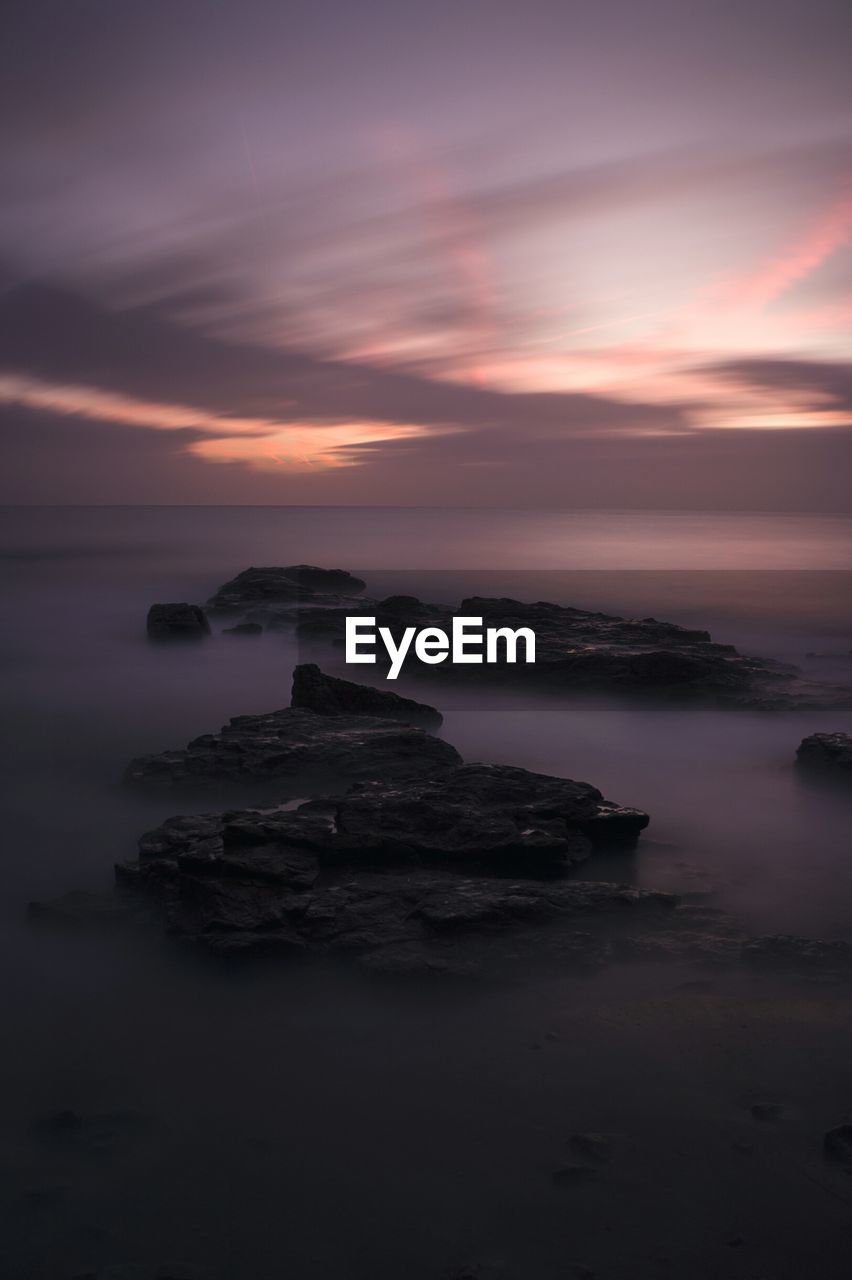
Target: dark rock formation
column 576, row 650
column 295, row 744
column 244, row 629
column 591, row 652
column 461, row 816
column 476, row 811
column 177, row 622
column 828, row 754
column 417, row 919
column 283, row 585
column 338, row 581
column 404, row 866
column 328, row 696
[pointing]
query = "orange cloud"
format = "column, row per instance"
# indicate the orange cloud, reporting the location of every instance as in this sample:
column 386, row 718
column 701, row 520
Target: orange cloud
column 260, row 442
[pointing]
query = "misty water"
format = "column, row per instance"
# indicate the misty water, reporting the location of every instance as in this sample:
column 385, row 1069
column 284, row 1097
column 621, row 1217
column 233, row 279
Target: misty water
column 314, row 1122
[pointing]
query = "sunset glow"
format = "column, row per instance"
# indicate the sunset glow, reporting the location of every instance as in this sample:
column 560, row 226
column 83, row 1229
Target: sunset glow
column 296, row 263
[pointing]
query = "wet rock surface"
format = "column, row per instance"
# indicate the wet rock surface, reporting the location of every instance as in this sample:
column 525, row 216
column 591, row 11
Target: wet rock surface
column 328, row 695
column 177, row 622
column 295, row 743
column 827, row 754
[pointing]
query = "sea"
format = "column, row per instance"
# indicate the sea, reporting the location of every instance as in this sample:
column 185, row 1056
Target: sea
column 311, row 1122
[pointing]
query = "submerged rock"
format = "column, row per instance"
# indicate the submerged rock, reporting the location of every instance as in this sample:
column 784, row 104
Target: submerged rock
column 829, row 754
column 177, row 622
column 329, row 696
column 284, row 585
column 293, row 744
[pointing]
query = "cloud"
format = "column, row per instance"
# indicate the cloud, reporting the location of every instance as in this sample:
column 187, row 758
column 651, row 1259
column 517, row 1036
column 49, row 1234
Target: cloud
column 823, row 234
column 54, row 459
column 822, row 382
column 63, row 339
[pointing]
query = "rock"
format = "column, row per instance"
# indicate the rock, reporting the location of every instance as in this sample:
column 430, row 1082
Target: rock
column 828, row 754
column 244, row 629
column 466, row 817
column 416, row 922
column 593, row 652
column 400, row 869
column 177, row 622
column 837, row 1143
column 329, row 696
column 283, row 585
column 290, row 880
column 296, row 744
column 338, row 581
column 498, row 812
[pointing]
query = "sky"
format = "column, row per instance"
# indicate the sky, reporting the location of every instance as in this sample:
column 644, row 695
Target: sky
column 480, row 252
